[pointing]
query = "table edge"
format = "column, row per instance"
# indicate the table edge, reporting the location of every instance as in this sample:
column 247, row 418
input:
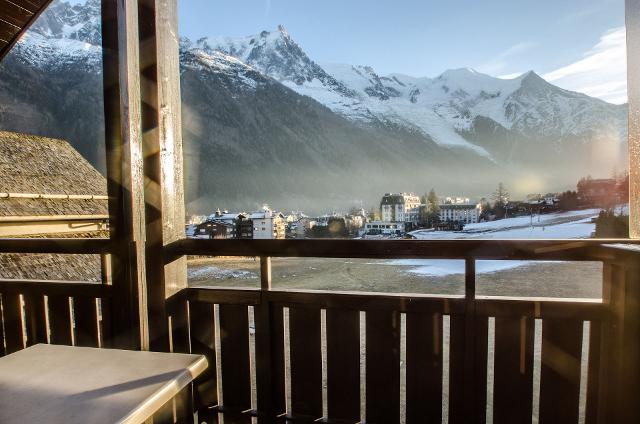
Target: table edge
column 165, row 393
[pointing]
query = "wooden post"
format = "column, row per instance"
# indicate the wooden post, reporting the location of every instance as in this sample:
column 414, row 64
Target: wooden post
column 163, row 167
column 264, row 366
column 633, row 89
column 125, row 180
column 621, row 341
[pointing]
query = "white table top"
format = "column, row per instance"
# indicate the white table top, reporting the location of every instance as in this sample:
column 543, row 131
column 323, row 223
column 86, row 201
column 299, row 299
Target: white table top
column 64, row 384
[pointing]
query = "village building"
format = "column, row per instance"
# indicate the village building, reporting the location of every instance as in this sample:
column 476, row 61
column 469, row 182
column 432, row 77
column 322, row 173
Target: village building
column 459, row 210
column 400, row 207
column 48, row 190
column 303, row 226
column 267, row 224
column 603, row 192
column 215, row 229
column 384, row 228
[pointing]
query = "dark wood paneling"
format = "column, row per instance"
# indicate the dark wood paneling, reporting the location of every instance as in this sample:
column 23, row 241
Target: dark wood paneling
column 560, row 371
column 35, row 319
column 343, row 365
column 513, row 370
column 383, row 367
column 12, row 315
column 306, row 362
column 205, row 387
column 59, row 320
column 424, row 368
column 86, row 321
column 236, row 382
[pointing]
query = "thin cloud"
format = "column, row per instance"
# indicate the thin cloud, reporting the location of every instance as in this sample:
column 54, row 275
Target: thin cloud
column 499, row 63
column 510, row 76
column 602, row 72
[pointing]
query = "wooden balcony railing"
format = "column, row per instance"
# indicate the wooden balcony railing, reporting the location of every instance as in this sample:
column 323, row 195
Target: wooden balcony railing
column 276, row 373
column 609, row 353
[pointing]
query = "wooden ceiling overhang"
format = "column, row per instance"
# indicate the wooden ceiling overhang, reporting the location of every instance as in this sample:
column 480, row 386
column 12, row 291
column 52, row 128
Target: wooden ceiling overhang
column 15, row 18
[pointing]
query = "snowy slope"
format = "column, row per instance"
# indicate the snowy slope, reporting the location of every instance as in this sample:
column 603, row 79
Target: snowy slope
column 563, row 225
column 444, row 108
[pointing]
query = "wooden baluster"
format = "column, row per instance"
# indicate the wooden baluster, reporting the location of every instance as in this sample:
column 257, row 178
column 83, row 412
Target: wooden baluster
column 236, row 378
column 383, row 366
column 343, row 365
column 306, row 362
column 424, row 367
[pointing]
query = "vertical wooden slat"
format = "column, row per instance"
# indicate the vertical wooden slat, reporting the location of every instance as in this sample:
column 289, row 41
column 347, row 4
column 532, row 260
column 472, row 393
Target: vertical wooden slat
column 2, row 351
column 456, row 369
column 269, row 351
column 35, row 320
column 201, row 316
column 86, row 321
column 236, row 379
column 12, row 314
column 594, row 372
column 383, row 367
column 278, row 374
column 343, row 365
column 306, row 362
column 105, row 323
column 60, row 320
column 513, row 370
column 560, row 370
column 424, row 368
column 468, row 358
column 479, row 378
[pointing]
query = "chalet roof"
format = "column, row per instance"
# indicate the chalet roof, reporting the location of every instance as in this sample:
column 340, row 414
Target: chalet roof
column 15, row 18
column 42, row 176
column 49, row 266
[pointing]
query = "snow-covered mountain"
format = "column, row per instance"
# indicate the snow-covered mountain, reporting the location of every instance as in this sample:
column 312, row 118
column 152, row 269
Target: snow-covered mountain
column 261, row 103
column 445, row 108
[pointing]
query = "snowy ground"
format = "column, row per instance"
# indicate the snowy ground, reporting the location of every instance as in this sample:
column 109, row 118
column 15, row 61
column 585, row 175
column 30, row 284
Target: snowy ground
column 569, row 225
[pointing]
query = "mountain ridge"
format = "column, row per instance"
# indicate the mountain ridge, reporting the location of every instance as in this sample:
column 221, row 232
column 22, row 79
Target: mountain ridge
column 264, row 105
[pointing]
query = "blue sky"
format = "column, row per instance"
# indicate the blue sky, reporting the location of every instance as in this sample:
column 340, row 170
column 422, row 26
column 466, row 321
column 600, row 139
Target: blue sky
column 577, row 44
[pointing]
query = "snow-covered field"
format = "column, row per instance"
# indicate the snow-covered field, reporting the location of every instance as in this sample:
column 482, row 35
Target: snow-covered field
column 562, row 225
column 569, row 225
column 211, row 272
column 445, row 267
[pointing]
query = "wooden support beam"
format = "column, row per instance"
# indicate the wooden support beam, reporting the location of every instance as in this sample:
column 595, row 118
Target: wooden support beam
column 125, row 182
column 163, row 165
column 633, row 89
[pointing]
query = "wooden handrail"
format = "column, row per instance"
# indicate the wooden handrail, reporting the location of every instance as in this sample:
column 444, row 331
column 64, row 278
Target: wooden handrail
column 55, row 287
column 565, row 250
column 53, row 245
